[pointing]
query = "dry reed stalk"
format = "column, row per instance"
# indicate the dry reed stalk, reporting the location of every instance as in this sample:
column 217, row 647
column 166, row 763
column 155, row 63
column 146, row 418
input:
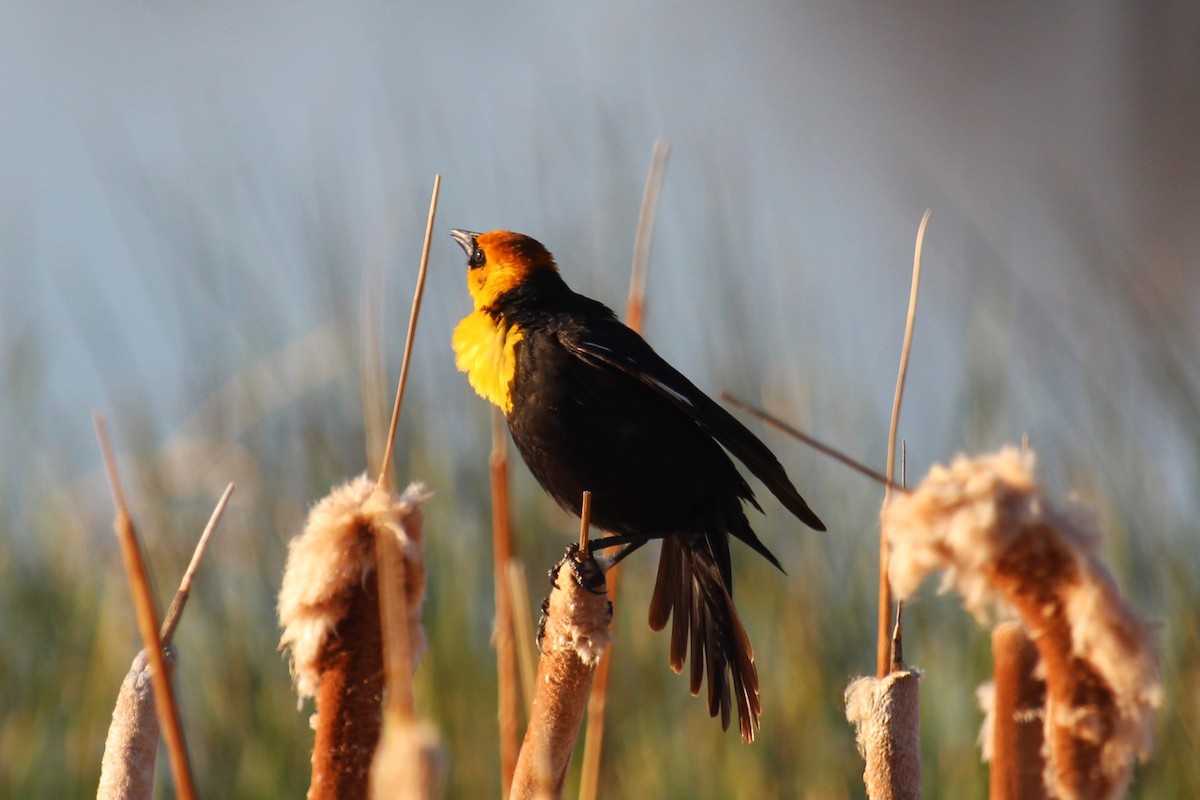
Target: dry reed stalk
column 886, row 716
column 523, row 626
column 373, row 373
column 816, row 444
column 147, row 622
column 175, row 610
column 574, row 637
column 385, row 477
column 635, row 305
column 635, row 311
column 999, row 542
column 1012, row 733
column 593, row 739
column 130, row 750
column 395, row 611
column 395, row 620
column 330, row 612
column 408, row 763
column 509, row 706
column 883, row 641
column 885, row 709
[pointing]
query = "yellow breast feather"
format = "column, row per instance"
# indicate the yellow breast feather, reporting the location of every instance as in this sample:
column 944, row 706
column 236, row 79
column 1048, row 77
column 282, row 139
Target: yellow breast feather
column 485, row 349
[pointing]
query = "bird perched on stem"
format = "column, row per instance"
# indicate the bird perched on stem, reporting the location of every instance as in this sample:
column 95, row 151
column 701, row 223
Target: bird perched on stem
column 592, row 407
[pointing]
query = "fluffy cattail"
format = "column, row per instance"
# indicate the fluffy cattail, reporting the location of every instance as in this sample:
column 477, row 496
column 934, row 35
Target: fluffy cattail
column 574, row 637
column 986, row 525
column 329, row 611
column 1013, row 702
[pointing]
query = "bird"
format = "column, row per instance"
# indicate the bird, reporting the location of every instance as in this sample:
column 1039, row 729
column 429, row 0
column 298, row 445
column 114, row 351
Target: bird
column 591, row 406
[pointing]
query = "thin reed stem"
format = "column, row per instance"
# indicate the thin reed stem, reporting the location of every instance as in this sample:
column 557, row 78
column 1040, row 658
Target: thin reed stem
column 393, row 577
column 393, row 620
column 585, row 523
column 175, row 611
column 636, row 304
column 523, row 630
column 506, row 656
column 816, row 444
column 1017, row 763
column 883, row 644
column 147, row 622
column 635, row 312
column 418, row 293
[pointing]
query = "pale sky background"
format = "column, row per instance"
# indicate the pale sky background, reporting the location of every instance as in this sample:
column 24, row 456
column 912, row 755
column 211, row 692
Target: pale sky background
column 185, row 189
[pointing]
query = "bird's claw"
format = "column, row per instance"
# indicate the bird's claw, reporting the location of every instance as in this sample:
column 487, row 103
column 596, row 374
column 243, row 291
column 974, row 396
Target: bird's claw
column 585, row 569
column 587, row 573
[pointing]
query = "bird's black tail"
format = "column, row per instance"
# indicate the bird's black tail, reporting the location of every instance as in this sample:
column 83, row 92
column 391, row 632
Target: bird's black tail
column 691, row 591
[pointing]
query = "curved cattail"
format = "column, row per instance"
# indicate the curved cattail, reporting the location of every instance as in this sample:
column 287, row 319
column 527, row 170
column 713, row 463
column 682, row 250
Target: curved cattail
column 999, row 542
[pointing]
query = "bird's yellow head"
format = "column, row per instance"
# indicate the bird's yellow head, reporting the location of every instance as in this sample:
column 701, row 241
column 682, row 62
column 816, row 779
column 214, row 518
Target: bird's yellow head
column 500, row 260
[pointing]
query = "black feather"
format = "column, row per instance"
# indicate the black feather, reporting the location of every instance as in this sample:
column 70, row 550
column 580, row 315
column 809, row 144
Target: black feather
column 595, row 408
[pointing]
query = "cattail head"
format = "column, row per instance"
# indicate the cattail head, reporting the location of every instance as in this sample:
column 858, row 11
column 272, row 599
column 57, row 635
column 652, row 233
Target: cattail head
column 331, row 559
column 987, row 526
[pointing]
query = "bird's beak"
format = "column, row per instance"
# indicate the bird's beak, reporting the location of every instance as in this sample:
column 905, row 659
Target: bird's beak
column 465, row 239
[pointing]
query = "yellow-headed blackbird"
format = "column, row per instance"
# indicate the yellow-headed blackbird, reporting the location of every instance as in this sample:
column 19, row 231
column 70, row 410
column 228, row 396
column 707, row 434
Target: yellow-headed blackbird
column 591, row 406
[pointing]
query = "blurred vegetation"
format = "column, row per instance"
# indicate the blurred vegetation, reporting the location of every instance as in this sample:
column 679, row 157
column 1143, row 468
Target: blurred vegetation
column 289, row 425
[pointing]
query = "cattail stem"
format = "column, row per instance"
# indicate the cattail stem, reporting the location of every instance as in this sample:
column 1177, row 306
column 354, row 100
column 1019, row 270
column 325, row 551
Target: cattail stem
column 593, row 740
column 394, row 616
column 523, row 629
column 408, row 762
column 349, row 699
column 1017, row 717
column 506, row 657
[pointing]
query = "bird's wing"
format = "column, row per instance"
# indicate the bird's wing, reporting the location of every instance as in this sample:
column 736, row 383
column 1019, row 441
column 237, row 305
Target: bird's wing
column 613, row 346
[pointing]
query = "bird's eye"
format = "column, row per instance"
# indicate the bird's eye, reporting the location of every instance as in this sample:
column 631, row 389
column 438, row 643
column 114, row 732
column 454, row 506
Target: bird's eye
column 476, row 259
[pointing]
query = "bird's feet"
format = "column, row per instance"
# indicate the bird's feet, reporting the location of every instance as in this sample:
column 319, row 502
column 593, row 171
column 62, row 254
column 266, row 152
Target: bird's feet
column 584, row 568
column 586, row 572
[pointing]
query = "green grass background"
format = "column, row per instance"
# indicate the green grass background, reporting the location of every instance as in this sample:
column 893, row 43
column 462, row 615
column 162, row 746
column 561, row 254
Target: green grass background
column 70, row 631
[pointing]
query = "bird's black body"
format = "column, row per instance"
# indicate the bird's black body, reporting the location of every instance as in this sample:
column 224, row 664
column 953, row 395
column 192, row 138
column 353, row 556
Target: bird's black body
column 594, row 408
